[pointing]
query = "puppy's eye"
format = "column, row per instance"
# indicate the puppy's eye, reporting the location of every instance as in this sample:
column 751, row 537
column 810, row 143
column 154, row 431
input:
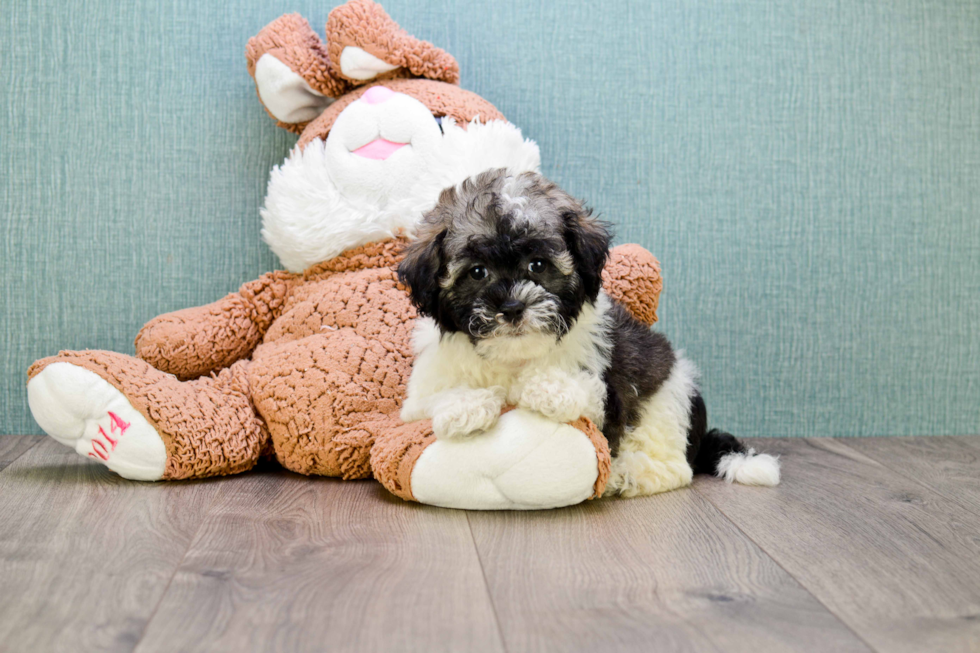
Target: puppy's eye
column 478, row 273
column 537, row 266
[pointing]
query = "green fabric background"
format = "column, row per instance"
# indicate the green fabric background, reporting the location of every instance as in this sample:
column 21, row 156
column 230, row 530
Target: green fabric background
column 807, row 172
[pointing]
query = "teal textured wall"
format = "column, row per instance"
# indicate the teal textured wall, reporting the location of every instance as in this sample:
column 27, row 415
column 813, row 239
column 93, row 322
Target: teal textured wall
column 807, row 172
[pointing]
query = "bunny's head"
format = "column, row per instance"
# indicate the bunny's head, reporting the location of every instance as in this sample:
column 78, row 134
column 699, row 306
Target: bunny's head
column 383, row 127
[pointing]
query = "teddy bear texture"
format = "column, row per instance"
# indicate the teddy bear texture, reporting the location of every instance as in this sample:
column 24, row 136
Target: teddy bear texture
column 309, row 365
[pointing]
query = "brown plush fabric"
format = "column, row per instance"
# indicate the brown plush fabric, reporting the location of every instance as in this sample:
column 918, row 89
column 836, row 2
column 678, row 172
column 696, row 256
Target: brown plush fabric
column 292, row 41
column 364, row 24
column 331, row 372
column 195, row 341
column 209, row 426
column 604, row 459
column 632, row 276
column 441, row 99
column 393, row 456
column 379, row 254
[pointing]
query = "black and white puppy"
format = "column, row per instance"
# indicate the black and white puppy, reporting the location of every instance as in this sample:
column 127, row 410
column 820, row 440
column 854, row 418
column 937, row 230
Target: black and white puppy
column 506, row 274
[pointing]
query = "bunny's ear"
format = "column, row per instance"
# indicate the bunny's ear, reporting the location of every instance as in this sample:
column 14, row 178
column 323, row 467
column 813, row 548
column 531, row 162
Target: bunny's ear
column 364, row 43
column 292, row 73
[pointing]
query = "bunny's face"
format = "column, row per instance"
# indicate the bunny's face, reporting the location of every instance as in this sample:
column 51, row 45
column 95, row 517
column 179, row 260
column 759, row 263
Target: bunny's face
column 381, row 167
column 381, row 143
column 371, row 162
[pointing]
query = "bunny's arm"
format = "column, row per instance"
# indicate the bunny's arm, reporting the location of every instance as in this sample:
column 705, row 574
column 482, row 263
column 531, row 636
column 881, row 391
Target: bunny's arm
column 196, row 341
column 632, row 277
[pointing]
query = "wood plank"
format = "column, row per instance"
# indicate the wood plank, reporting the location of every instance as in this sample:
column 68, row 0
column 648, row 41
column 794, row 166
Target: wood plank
column 662, row 573
column 84, row 554
column 13, row 447
column 894, row 560
column 286, row 562
column 948, row 465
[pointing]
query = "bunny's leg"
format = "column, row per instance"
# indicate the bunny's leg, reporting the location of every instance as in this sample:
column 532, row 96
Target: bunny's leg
column 523, row 462
column 142, row 423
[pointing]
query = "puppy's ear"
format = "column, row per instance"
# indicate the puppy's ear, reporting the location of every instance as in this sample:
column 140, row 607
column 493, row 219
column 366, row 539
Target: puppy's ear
column 419, row 270
column 587, row 238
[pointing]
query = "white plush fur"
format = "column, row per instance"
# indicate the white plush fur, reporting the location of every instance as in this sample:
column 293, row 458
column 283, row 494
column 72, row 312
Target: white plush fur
column 749, row 468
column 558, row 380
column 652, row 457
column 285, row 94
column 72, row 404
column 524, row 462
column 356, row 63
column 325, row 199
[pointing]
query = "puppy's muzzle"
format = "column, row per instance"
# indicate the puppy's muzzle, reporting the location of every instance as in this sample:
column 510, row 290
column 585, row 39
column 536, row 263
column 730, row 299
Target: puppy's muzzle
column 512, row 310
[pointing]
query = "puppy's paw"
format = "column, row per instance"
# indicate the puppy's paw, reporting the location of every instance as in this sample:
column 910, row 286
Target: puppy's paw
column 457, row 413
column 561, row 396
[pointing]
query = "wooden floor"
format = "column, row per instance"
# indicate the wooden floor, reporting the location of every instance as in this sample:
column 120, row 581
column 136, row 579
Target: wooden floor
column 870, row 544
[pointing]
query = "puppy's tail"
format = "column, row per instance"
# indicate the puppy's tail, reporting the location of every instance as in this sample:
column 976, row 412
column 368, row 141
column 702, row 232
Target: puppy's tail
column 721, row 454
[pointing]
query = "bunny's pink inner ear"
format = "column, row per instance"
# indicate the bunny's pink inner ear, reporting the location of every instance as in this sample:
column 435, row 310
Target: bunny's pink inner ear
column 365, row 44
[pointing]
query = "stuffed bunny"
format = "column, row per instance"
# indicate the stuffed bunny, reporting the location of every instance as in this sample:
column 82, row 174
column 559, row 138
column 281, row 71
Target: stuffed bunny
column 309, row 365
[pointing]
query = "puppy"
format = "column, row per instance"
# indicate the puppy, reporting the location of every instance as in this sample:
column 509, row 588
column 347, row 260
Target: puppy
column 505, row 272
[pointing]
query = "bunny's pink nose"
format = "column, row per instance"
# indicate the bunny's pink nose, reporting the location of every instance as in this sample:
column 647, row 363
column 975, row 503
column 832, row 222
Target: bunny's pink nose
column 377, row 95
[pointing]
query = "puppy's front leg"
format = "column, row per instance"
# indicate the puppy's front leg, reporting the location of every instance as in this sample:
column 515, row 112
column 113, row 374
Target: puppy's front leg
column 462, row 411
column 563, row 396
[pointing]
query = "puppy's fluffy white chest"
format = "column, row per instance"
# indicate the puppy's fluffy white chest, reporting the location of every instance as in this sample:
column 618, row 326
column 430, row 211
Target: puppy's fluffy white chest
column 535, row 368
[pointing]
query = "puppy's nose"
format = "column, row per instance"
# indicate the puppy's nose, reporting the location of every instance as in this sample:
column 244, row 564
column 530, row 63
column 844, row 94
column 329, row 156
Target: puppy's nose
column 377, row 95
column 512, row 309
